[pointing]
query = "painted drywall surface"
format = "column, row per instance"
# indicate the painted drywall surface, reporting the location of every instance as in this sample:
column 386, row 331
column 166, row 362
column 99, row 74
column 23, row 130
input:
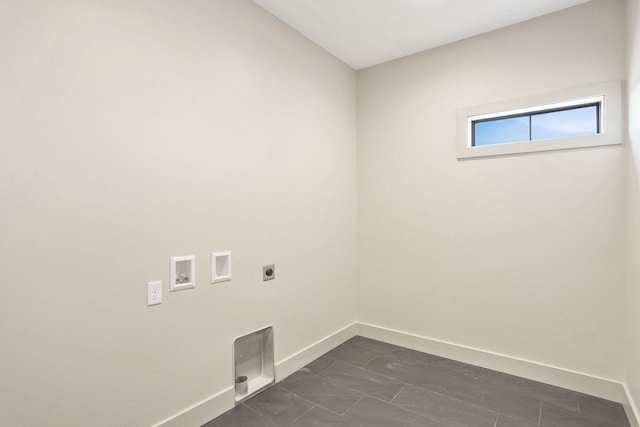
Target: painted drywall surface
column 136, row 131
column 632, row 377
column 520, row 255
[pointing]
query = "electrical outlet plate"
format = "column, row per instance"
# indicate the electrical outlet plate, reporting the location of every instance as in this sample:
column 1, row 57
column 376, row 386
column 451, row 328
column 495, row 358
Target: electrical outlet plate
column 268, row 272
column 154, row 293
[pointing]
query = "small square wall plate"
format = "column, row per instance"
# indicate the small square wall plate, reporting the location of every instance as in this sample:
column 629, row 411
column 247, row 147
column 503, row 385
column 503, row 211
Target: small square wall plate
column 183, row 272
column 268, row 272
column 220, row 266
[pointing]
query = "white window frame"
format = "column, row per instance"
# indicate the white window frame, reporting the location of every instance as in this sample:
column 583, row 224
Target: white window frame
column 608, row 93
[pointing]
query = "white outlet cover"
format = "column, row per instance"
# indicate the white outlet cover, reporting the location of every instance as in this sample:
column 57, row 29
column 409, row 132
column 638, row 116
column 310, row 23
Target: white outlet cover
column 154, row 293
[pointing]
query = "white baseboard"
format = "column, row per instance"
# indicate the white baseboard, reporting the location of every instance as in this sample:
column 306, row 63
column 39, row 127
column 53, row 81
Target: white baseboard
column 202, row 412
column 578, row 381
column 223, row 401
column 289, row 365
column 630, row 408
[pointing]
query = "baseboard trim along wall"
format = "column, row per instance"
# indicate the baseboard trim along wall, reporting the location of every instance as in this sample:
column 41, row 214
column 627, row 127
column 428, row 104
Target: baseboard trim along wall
column 289, row 365
column 601, row 387
column 223, row 401
column 630, row 408
column 202, row 412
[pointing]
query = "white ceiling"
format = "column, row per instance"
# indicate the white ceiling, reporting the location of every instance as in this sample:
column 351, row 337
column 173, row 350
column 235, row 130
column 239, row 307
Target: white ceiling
column 363, row 33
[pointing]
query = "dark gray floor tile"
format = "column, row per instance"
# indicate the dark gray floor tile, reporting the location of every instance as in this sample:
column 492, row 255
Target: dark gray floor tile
column 492, row 398
column 506, row 421
column 348, row 387
column 372, row 412
column 318, row 365
column 449, row 411
column 381, row 348
column 279, row 405
column 450, row 367
column 241, row 416
column 596, row 408
column 323, row 391
column 553, row 416
column 547, row 393
column 351, row 353
column 368, row 382
column 320, row 417
column 410, row 373
column 415, row 356
column 359, row 350
column 516, row 406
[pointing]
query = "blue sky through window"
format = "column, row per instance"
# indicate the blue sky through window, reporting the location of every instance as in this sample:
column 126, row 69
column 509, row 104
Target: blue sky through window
column 502, row 131
column 552, row 124
column 578, row 121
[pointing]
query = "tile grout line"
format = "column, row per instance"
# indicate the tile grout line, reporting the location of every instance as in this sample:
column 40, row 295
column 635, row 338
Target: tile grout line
column 310, row 401
column 540, row 414
column 445, row 396
column 470, row 403
column 436, row 391
column 331, row 380
column 360, row 391
column 474, row 404
column 399, row 391
column 388, row 376
column 298, row 396
column 331, row 410
column 260, row 415
column 578, row 398
column 374, row 372
column 351, row 407
column 302, row 415
column 327, row 368
column 369, row 361
column 408, row 411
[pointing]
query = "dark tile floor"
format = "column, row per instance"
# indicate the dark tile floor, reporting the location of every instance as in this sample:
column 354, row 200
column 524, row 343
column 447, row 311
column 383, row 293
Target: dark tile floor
column 367, row 383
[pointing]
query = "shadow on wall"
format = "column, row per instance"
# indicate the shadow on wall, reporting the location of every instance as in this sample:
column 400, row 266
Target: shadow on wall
column 632, row 377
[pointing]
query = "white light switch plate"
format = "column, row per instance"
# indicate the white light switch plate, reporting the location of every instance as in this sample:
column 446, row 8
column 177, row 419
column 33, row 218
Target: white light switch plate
column 154, row 293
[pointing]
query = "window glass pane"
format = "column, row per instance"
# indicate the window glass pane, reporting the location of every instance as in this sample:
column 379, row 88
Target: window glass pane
column 577, row 121
column 501, row 131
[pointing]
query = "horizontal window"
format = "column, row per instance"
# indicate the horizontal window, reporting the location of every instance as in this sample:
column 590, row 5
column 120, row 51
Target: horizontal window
column 579, row 117
column 557, row 122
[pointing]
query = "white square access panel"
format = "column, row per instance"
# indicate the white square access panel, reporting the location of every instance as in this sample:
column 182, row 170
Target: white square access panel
column 183, row 272
column 220, row 266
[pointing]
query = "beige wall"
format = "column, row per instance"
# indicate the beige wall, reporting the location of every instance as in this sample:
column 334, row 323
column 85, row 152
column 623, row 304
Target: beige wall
column 520, row 255
column 632, row 378
column 136, row 131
